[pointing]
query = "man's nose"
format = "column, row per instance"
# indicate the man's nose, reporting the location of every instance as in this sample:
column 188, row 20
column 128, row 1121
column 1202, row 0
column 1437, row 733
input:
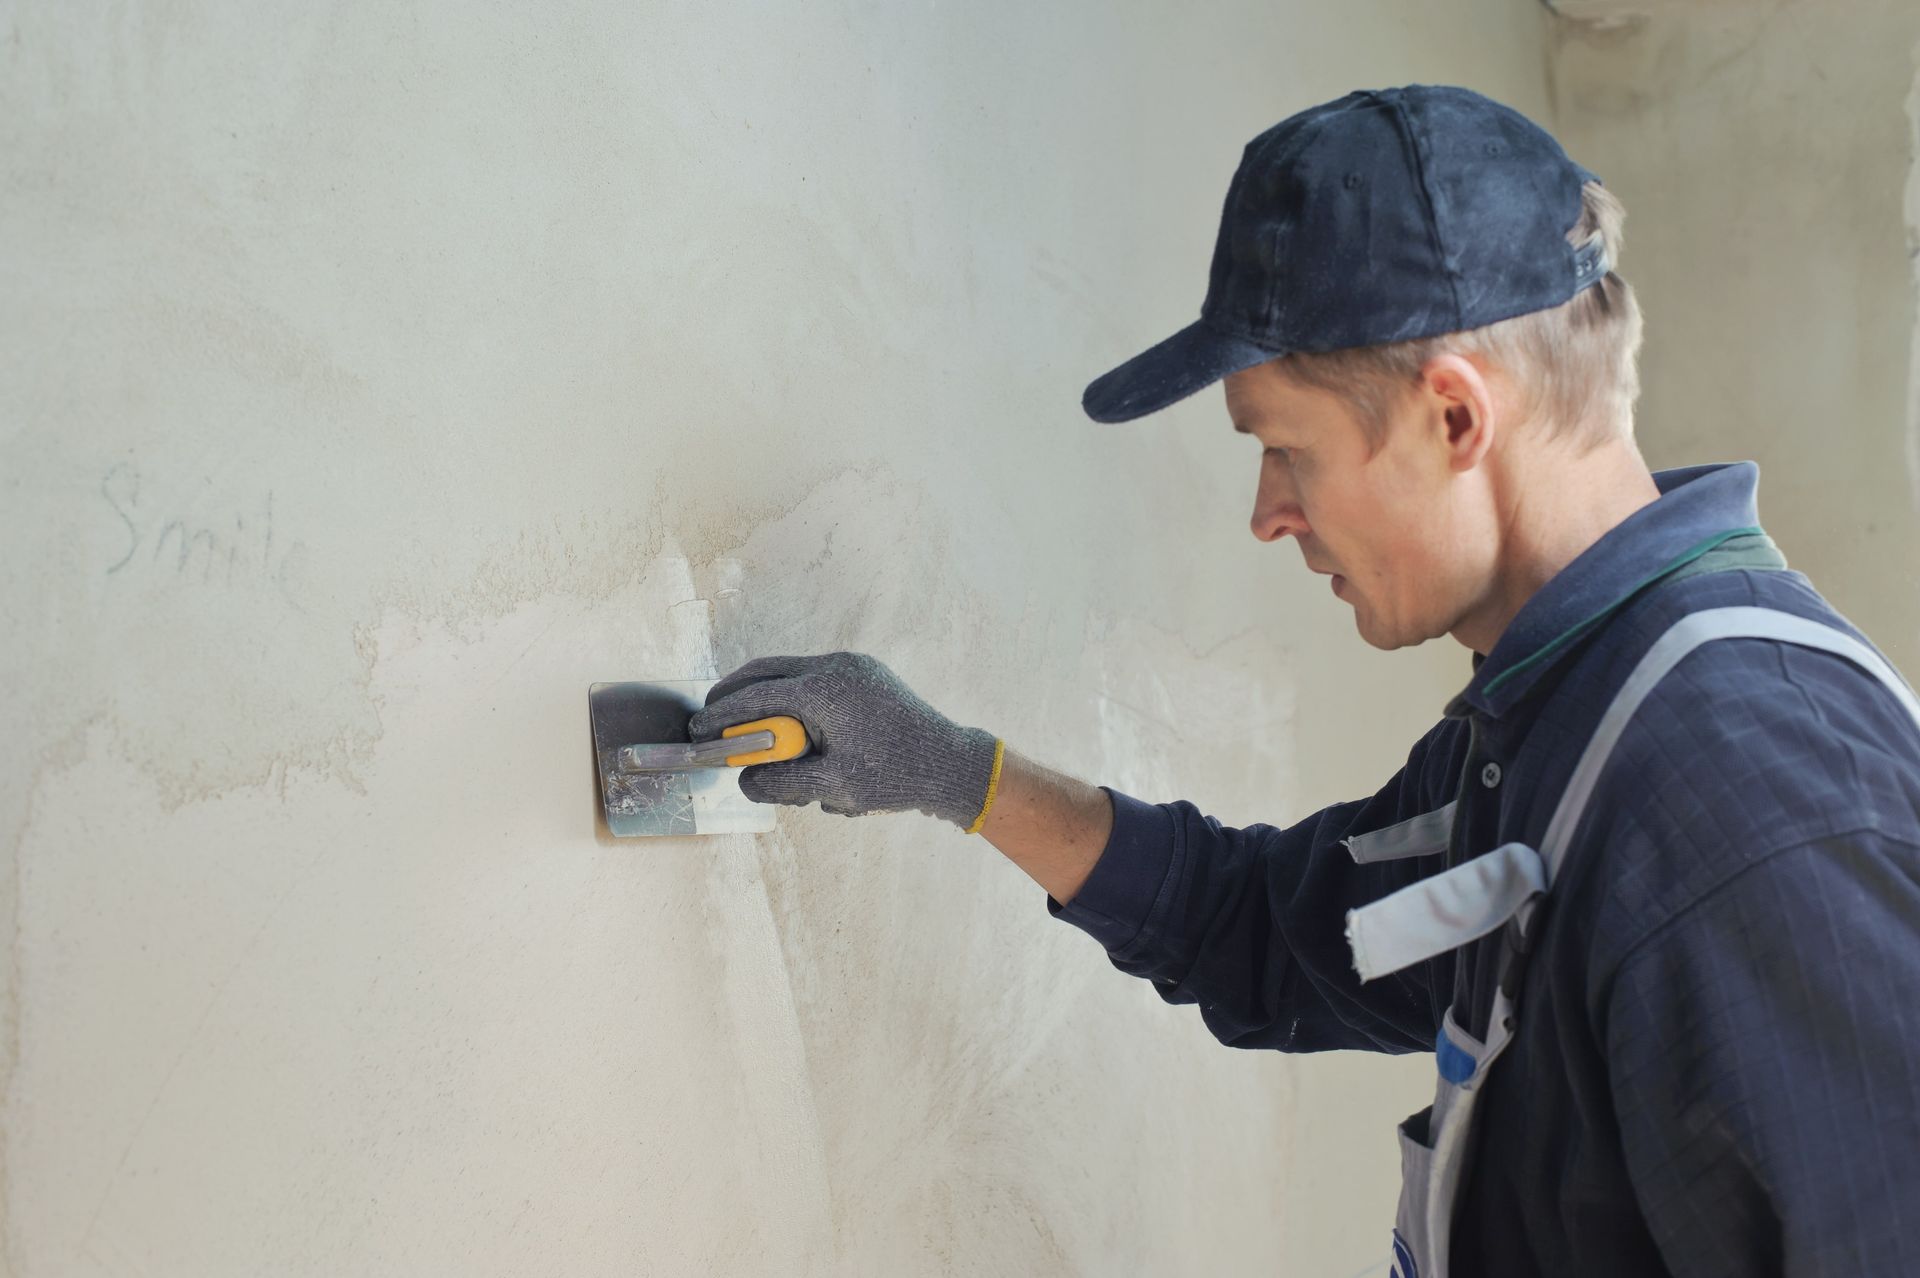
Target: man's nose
column 1276, row 506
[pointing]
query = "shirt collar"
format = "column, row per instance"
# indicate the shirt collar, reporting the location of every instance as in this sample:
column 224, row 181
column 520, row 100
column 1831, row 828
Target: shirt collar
column 1698, row 507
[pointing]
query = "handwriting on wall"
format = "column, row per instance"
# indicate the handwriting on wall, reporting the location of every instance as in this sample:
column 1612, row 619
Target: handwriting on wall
column 236, row 548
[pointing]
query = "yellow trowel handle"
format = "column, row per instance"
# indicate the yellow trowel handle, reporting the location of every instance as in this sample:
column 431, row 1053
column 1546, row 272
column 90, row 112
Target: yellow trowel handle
column 789, row 740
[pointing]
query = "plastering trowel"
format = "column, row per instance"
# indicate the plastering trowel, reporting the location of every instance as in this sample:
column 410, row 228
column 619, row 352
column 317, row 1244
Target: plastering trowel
column 654, row 780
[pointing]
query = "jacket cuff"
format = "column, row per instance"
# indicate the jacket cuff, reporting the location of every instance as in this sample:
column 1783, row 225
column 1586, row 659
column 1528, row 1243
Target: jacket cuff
column 1119, row 896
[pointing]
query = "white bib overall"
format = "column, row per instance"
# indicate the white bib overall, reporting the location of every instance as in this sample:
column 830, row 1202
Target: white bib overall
column 1449, row 910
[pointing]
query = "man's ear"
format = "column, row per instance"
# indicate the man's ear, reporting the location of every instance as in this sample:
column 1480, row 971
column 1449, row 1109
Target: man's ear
column 1461, row 407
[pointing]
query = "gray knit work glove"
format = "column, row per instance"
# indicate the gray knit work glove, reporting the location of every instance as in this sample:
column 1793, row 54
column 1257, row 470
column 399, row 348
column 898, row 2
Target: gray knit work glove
column 876, row 746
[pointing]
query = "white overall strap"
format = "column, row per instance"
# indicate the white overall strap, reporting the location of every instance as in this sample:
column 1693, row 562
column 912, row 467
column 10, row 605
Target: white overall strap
column 1421, row 835
column 1445, row 911
column 1682, row 638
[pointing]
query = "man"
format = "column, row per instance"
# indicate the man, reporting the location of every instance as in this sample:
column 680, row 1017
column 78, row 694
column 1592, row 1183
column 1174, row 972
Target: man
column 1650, row 890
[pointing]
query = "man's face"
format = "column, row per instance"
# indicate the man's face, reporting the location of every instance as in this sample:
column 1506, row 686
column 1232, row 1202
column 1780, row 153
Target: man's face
column 1397, row 528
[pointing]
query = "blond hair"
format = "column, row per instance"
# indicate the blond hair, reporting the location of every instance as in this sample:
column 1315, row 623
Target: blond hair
column 1576, row 363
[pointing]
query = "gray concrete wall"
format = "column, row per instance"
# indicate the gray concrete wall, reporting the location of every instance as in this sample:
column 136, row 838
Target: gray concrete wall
column 375, row 377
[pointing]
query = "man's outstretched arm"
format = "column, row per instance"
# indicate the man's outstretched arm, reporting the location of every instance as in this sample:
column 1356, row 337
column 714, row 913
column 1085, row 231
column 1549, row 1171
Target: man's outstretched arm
column 1049, row 825
column 1249, row 924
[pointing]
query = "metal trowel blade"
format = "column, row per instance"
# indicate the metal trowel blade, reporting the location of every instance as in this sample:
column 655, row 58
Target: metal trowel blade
column 637, row 804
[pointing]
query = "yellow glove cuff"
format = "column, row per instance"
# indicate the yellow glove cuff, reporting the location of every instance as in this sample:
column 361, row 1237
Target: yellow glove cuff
column 993, row 786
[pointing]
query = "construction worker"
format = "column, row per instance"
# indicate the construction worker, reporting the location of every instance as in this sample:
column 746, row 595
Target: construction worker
column 1649, row 890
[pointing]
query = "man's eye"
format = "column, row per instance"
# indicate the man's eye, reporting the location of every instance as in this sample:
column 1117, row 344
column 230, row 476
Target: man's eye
column 1284, row 454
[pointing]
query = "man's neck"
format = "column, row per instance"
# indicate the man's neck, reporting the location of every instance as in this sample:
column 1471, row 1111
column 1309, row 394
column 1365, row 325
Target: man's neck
column 1556, row 507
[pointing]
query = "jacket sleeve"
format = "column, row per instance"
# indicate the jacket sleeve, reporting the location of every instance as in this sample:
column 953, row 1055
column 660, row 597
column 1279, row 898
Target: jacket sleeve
column 1250, row 924
column 1764, row 1054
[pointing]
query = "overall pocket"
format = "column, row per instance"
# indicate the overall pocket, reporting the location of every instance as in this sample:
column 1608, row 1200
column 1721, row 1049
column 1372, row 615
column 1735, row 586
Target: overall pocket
column 1416, row 1184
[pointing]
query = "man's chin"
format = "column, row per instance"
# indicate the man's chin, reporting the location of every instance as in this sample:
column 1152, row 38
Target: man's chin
column 1385, row 640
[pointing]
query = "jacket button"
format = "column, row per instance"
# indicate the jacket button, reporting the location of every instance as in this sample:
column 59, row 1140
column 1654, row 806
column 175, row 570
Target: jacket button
column 1490, row 775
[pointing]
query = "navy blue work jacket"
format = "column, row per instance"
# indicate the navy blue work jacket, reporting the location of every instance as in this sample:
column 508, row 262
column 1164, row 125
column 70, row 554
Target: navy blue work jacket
column 1717, row 1062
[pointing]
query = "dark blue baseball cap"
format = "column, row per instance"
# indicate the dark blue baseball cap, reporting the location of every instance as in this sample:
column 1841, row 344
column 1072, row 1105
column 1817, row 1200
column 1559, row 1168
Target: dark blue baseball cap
column 1383, row 216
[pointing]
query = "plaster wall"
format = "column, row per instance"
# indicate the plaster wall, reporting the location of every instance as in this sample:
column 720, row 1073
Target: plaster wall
column 373, row 378
column 1765, row 154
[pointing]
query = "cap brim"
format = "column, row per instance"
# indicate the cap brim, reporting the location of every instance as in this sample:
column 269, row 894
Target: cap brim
column 1191, row 360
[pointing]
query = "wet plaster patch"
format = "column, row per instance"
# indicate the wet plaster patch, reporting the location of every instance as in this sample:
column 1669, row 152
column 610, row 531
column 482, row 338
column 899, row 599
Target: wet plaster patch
column 438, row 1003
